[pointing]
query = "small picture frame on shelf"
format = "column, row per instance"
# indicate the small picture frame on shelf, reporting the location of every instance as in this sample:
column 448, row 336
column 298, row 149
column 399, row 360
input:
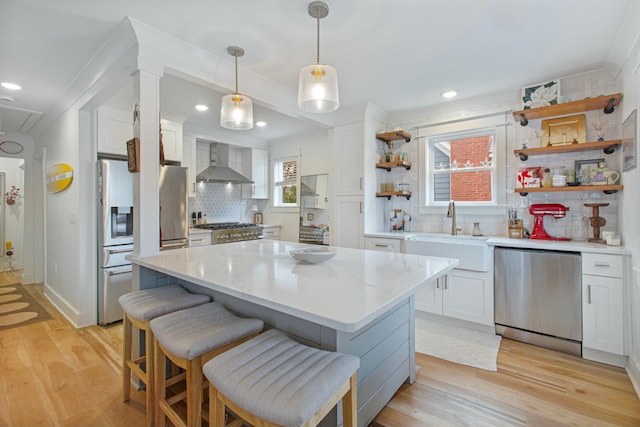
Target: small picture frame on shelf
column 585, row 168
column 541, row 94
column 629, row 142
column 257, row 218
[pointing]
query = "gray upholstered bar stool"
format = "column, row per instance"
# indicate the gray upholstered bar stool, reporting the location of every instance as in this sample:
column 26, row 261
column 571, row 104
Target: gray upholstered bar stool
column 189, row 338
column 272, row 380
column 140, row 307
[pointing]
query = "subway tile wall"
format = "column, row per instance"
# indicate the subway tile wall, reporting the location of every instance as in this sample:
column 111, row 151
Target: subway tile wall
column 496, row 225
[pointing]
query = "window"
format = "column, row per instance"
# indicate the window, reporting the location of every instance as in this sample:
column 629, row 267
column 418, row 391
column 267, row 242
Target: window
column 463, row 161
column 285, row 177
column 461, row 167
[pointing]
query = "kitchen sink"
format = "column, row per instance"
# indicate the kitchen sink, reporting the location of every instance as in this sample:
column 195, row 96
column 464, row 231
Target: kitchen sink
column 472, row 251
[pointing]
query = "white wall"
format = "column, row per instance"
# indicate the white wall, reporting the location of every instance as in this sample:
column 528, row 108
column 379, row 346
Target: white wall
column 629, row 80
column 491, row 223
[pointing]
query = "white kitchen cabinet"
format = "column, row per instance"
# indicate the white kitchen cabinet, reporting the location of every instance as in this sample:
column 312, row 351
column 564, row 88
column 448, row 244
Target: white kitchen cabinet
column 171, row 140
column 189, row 161
column 382, row 244
column 256, row 166
column 199, row 237
column 271, row 232
column 321, row 199
column 348, row 222
column 115, row 128
column 348, row 159
column 602, row 303
column 461, row 294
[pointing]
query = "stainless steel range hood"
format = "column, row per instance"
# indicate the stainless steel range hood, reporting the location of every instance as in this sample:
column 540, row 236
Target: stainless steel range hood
column 219, row 172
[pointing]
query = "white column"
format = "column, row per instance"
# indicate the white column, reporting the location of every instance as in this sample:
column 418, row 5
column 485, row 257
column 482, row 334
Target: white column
column 146, row 220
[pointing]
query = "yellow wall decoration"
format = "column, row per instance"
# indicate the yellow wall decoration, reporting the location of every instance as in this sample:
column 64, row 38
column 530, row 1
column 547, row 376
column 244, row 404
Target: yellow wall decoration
column 59, row 177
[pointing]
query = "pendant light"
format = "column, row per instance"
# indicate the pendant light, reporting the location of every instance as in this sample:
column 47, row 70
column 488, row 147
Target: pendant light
column 318, row 84
column 236, row 110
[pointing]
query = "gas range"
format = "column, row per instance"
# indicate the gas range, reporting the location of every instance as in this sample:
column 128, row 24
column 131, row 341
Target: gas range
column 225, row 232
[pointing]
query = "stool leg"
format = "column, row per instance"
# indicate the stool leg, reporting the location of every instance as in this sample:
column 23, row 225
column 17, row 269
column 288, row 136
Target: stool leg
column 159, row 379
column 149, row 374
column 216, row 408
column 194, row 392
column 126, row 356
column 349, row 405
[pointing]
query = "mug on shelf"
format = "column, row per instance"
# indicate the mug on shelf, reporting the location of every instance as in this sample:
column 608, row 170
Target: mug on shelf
column 612, row 177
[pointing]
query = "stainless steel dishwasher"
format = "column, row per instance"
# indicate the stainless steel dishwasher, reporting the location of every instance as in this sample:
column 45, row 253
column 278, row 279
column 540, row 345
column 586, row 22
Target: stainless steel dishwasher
column 538, row 297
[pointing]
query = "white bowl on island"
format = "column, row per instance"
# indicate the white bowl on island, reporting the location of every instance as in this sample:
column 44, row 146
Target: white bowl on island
column 312, row 255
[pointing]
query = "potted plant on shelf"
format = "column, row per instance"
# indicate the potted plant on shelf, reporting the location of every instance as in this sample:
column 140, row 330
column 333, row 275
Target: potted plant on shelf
column 12, row 195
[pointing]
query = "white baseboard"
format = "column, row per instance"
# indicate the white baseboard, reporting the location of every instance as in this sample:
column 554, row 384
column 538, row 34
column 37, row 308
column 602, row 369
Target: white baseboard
column 633, row 370
column 78, row 320
column 604, row 357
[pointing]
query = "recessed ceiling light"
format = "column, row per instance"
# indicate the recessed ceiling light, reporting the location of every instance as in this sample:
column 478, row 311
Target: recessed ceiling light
column 261, row 124
column 11, row 86
column 449, row 94
column 201, row 107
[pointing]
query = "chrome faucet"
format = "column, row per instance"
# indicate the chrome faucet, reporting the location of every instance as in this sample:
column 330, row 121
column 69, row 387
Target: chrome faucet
column 451, row 213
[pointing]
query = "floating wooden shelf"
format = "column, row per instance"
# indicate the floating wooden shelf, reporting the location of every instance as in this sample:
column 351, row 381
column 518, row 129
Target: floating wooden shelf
column 389, row 194
column 397, row 135
column 608, row 189
column 389, row 165
column 606, row 102
column 607, row 146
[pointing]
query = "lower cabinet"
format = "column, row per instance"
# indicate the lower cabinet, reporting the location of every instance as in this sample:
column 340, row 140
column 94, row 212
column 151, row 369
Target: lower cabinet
column 462, row 294
column 382, row 244
column 271, row 232
column 347, row 228
column 199, row 238
column 602, row 313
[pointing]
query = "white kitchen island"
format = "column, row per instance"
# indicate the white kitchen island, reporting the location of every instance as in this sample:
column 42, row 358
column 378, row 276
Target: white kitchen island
column 359, row 302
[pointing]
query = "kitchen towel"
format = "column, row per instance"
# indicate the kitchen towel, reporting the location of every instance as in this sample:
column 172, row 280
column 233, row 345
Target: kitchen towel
column 19, row 308
column 458, row 344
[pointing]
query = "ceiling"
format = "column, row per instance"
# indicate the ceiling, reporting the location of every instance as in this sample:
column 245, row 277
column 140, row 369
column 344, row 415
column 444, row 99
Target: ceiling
column 398, row 55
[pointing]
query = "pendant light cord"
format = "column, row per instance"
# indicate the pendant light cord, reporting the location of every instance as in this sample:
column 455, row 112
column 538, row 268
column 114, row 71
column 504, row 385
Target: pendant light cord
column 236, row 56
column 318, row 42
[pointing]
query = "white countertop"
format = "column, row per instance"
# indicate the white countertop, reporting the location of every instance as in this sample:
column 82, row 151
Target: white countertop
column 552, row 245
column 345, row 293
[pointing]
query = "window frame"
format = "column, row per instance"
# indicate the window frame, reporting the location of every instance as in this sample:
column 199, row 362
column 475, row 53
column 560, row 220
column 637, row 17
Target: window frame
column 499, row 124
column 278, row 184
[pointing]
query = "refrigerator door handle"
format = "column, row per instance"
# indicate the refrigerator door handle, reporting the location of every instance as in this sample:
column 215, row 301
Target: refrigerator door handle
column 119, row 251
column 116, row 273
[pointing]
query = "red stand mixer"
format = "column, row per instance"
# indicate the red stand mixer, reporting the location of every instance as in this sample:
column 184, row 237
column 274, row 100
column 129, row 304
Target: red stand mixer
column 541, row 210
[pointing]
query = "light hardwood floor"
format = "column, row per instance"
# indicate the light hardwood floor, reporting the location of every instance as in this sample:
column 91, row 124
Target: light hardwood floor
column 54, row 375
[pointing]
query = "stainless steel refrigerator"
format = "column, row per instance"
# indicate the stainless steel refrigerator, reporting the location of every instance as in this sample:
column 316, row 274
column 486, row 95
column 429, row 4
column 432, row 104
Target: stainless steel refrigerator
column 115, row 228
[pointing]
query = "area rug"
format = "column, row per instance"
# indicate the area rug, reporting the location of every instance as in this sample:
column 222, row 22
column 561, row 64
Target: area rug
column 19, row 308
column 458, row 344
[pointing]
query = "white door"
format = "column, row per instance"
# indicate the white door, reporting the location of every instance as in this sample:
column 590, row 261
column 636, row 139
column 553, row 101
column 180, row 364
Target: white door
column 466, row 296
column 429, row 299
column 602, row 318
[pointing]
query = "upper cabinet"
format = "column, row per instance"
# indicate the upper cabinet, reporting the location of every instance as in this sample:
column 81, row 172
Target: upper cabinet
column 115, row 128
column 189, row 161
column 348, row 160
column 256, row 166
column 171, row 140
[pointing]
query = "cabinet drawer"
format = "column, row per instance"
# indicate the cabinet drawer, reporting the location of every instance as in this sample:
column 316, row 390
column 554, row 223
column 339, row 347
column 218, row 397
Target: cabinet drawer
column 271, row 233
column 384, row 245
column 199, row 239
column 603, row 265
